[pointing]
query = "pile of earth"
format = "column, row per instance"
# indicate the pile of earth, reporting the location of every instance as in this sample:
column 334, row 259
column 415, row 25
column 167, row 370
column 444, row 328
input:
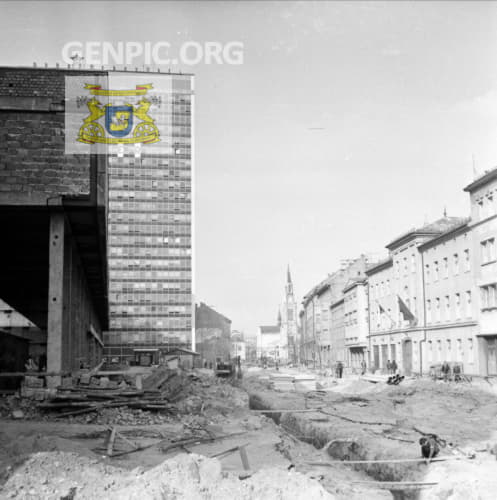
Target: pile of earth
column 55, row 476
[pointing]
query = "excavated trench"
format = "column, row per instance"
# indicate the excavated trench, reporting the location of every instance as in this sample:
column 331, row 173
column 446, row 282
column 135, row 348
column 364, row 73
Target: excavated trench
column 341, row 446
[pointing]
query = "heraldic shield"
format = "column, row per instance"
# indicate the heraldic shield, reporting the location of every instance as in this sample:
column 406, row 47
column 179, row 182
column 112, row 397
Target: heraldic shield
column 118, row 122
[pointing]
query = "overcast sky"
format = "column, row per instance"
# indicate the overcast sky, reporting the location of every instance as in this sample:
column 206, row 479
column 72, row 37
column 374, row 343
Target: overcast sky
column 347, row 124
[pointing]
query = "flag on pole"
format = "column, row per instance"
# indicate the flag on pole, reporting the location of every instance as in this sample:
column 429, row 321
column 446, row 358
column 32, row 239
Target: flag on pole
column 405, row 311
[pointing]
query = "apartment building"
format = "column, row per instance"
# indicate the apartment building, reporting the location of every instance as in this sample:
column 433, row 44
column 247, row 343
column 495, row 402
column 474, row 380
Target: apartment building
column 355, row 296
column 483, row 225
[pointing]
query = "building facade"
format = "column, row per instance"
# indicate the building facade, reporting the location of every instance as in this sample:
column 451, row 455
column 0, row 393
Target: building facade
column 270, row 345
column 53, row 216
column 238, row 346
column 212, row 335
column 483, row 225
column 150, row 230
column 321, row 345
column 355, row 296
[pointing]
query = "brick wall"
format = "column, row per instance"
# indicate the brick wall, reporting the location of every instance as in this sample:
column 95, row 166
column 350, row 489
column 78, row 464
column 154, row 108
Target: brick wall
column 33, row 165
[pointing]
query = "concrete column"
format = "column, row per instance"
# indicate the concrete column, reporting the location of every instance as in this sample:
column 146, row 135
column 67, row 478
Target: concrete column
column 55, row 321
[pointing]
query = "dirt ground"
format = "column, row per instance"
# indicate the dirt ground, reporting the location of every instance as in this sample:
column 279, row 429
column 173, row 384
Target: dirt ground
column 366, row 421
column 350, row 420
column 43, row 458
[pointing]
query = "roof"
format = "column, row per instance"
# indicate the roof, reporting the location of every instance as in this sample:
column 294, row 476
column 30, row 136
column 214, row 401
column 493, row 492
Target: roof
column 181, row 350
column 486, row 177
column 352, row 284
column 450, row 232
column 379, row 266
column 102, row 69
column 270, row 329
column 435, row 228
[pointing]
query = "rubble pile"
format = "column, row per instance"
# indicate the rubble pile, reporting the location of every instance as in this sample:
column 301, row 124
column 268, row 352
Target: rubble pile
column 127, row 400
column 67, row 475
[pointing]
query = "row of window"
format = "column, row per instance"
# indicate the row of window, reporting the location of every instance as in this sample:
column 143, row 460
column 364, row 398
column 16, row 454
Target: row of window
column 150, row 310
column 149, row 338
column 147, row 322
column 156, row 274
column 149, row 228
column 135, row 183
column 145, row 219
column 449, row 308
column 441, row 269
column 149, row 240
column 149, row 252
column 146, row 286
column 146, row 206
column 144, row 263
column 454, row 351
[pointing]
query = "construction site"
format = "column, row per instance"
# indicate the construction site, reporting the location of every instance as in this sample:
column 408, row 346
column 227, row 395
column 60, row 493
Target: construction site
column 174, row 433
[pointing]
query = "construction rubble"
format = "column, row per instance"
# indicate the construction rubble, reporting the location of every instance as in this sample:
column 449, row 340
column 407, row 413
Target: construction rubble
column 188, row 434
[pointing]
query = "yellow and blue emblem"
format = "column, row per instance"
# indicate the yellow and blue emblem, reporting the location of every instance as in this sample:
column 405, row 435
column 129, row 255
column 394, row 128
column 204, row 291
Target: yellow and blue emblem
column 122, row 123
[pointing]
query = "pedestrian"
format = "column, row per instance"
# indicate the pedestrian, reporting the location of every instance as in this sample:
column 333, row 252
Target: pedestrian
column 363, row 367
column 445, row 371
column 389, row 367
column 340, row 369
column 394, row 367
column 30, row 365
column 457, row 372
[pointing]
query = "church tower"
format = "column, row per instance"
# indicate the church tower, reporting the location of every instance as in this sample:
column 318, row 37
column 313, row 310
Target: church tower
column 288, row 319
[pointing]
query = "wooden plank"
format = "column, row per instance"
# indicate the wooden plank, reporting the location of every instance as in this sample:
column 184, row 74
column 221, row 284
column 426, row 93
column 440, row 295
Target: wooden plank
column 306, row 410
column 110, row 443
column 386, row 461
column 244, row 457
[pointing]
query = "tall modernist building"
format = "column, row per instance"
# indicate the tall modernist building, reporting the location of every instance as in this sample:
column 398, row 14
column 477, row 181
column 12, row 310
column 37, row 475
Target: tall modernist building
column 150, row 222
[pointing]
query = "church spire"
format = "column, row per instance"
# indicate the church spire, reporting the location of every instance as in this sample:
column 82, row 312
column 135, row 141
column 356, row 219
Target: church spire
column 288, row 276
column 289, row 284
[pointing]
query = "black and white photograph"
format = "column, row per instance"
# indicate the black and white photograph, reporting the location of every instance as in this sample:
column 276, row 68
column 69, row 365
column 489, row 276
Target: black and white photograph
column 248, row 249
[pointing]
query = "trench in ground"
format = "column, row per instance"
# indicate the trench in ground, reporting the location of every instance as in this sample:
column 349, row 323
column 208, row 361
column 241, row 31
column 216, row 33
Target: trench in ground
column 342, row 449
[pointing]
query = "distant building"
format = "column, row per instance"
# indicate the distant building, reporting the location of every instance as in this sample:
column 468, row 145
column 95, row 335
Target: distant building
column 238, row 346
column 355, row 296
column 270, row 345
column 288, row 320
column 323, row 346
column 212, row 334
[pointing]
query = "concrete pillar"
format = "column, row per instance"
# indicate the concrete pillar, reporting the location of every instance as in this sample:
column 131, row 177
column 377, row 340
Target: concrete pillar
column 55, row 320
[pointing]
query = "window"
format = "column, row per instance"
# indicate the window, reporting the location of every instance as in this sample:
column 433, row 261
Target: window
column 439, row 350
column 435, row 270
column 413, row 263
column 459, row 353
column 428, row 311
column 468, row 304
column 458, row 306
column 471, row 355
column 427, row 274
column 437, row 309
column 456, row 264
column 446, row 267
column 397, row 269
column 448, row 357
column 487, row 248
column 430, row 351
column 467, row 263
column 489, row 296
column 405, row 266
column 447, row 307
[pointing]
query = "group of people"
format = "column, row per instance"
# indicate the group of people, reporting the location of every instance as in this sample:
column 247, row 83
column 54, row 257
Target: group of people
column 392, row 367
column 456, row 371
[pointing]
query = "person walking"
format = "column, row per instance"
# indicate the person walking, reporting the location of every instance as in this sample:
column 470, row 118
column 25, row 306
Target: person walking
column 339, row 369
column 363, row 367
column 394, row 367
column 445, row 371
column 389, row 367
